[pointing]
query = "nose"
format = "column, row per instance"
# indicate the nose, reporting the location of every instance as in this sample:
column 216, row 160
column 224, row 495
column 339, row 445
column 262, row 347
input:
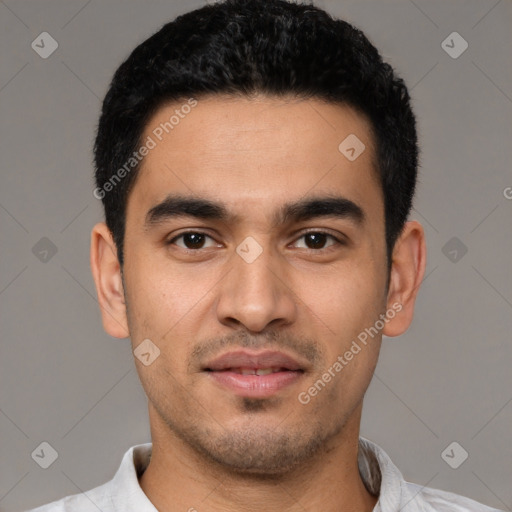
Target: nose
column 256, row 293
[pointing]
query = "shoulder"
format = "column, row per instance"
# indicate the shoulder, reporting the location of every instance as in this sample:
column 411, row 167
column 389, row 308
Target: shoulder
column 89, row 501
column 121, row 493
column 444, row 501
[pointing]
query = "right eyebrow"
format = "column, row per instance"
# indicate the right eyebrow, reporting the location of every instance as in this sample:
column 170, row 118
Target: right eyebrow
column 185, row 206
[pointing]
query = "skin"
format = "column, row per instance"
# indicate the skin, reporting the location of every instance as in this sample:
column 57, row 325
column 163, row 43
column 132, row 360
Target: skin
column 213, row 450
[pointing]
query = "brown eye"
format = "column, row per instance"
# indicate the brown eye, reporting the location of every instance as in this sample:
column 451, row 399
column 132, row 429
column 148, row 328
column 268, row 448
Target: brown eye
column 316, row 240
column 192, row 240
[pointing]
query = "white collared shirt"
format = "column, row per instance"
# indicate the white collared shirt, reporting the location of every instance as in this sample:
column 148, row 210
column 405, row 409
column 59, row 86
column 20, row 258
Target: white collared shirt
column 124, row 494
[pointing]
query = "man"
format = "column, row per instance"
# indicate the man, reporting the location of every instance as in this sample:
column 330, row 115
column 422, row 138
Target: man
column 257, row 163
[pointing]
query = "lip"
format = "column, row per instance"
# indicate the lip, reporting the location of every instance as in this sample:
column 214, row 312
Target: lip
column 253, row 360
column 225, row 371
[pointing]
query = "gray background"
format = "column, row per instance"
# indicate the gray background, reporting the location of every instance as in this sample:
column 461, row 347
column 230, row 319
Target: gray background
column 64, row 381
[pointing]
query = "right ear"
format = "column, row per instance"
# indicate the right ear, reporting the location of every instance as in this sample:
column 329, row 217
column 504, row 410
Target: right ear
column 106, row 271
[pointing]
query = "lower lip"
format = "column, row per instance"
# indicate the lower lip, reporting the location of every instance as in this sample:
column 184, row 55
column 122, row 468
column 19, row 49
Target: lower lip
column 255, row 386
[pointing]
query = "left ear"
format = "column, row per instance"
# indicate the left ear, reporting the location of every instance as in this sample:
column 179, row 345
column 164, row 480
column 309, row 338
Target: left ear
column 407, row 271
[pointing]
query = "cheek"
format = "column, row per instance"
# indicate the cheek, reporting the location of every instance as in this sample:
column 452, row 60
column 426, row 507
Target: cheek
column 160, row 295
column 164, row 304
column 345, row 299
column 344, row 306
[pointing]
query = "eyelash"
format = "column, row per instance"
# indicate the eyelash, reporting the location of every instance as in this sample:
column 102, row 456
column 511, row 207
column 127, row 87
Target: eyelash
column 338, row 242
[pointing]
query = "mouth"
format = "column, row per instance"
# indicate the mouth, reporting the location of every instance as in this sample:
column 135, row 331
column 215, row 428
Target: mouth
column 255, row 371
column 254, row 375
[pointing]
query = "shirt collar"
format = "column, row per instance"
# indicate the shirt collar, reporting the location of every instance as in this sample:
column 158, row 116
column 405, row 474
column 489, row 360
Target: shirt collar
column 126, row 493
column 380, row 476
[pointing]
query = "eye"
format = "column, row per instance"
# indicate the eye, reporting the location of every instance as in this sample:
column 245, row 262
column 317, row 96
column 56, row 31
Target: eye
column 193, row 240
column 316, row 240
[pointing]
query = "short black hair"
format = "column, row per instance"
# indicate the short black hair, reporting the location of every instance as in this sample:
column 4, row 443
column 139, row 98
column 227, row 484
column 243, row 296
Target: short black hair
column 244, row 47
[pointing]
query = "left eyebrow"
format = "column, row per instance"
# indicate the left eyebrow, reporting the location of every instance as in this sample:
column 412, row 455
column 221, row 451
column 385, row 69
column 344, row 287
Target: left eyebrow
column 302, row 210
column 316, row 207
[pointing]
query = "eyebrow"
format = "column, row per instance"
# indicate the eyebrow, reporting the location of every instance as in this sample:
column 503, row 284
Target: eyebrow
column 302, row 210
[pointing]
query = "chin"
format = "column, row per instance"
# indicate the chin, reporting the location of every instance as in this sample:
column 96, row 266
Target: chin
column 259, row 451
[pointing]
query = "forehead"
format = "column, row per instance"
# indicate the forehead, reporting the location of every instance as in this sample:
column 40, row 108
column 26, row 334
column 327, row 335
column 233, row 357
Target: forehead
column 255, row 153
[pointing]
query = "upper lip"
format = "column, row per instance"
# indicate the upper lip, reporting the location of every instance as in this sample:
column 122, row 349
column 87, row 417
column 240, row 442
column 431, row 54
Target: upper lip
column 246, row 359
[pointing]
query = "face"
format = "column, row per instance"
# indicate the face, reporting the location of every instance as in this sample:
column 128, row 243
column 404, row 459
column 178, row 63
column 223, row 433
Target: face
column 254, row 259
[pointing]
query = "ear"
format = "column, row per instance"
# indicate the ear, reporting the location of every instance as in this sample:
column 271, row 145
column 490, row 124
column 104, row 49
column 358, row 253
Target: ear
column 109, row 284
column 407, row 271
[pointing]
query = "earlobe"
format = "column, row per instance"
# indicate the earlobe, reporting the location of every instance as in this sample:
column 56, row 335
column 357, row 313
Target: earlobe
column 407, row 271
column 109, row 284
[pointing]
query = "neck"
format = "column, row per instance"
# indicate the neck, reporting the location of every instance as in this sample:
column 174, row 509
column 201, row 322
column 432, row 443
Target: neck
column 178, row 478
